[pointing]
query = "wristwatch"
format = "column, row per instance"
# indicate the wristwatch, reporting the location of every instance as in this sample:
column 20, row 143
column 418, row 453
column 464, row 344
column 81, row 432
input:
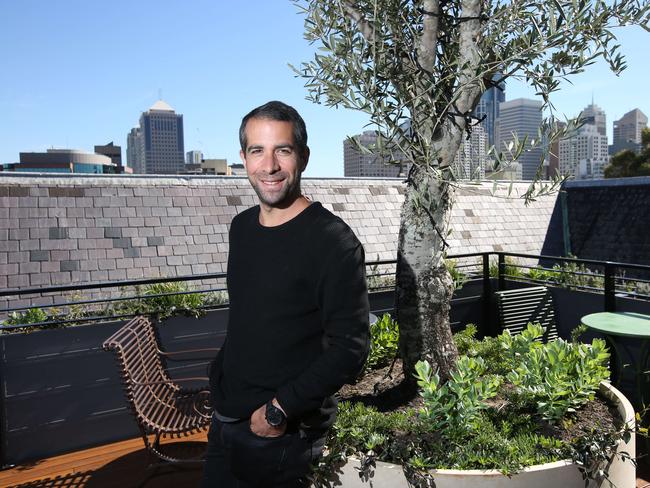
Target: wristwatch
column 274, row 416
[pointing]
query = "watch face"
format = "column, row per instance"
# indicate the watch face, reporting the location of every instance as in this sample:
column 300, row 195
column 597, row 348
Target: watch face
column 274, row 415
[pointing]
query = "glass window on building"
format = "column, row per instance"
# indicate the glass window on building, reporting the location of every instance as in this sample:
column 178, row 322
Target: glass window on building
column 88, row 168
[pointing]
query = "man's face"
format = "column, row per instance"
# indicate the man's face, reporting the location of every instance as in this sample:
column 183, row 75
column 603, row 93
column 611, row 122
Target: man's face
column 272, row 162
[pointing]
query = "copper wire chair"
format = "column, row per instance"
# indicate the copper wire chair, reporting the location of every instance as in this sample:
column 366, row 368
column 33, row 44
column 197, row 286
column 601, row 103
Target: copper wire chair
column 162, row 408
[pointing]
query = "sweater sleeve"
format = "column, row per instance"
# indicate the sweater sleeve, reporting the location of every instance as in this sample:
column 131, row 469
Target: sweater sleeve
column 343, row 301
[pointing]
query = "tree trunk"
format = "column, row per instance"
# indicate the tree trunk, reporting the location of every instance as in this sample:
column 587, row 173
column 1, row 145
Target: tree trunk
column 424, row 286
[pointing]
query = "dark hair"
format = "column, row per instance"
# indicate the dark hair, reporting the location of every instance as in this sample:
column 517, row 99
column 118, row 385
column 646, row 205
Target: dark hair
column 282, row 112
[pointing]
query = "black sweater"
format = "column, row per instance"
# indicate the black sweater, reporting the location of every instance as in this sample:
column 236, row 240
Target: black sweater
column 298, row 323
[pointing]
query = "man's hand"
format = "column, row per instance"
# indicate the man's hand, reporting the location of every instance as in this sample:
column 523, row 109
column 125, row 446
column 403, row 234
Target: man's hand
column 260, row 427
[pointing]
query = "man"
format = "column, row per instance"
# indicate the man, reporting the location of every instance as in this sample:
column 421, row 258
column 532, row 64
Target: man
column 298, row 322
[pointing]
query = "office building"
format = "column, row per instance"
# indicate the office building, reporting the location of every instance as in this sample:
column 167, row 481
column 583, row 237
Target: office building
column 159, row 141
column 360, row 164
column 208, row 167
column 488, row 107
column 627, row 132
column 594, row 115
column 470, row 160
column 135, row 150
column 522, row 118
column 193, row 157
column 63, row 161
column 115, row 153
column 584, row 155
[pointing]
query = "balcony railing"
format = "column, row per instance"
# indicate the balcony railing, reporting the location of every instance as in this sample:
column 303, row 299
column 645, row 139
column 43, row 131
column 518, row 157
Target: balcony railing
column 110, row 300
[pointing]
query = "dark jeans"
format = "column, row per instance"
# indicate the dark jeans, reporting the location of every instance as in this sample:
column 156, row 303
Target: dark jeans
column 237, row 458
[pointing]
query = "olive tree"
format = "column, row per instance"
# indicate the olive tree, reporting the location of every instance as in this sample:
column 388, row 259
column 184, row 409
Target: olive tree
column 418, row 69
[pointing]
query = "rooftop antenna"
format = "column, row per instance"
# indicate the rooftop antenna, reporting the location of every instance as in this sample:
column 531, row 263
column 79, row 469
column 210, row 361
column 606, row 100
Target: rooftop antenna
column 159, row 93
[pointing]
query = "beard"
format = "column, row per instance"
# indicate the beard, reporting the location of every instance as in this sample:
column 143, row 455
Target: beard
column 282, row 197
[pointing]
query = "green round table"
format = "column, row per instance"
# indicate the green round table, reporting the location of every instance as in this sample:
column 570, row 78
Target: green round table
column 625, row 324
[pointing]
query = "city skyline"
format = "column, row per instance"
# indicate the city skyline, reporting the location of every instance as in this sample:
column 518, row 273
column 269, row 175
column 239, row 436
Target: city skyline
column 70, row 84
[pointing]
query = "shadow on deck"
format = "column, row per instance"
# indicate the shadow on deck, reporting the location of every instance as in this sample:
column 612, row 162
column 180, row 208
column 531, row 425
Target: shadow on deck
column 121, row 464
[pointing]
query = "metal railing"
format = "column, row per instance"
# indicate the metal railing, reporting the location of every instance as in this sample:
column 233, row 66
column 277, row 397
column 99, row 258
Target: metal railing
column 604, row 277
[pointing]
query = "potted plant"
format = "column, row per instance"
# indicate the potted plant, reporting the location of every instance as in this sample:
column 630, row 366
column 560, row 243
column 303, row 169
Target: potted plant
column 516, row 413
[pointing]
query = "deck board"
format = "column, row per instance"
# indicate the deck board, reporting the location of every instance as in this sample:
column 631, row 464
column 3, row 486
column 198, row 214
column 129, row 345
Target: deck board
column 120, row 464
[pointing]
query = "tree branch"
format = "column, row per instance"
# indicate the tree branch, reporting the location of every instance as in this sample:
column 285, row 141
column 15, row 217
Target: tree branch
column 470, row 32
column 428, row 41
column 468, row 85
column 364, row 26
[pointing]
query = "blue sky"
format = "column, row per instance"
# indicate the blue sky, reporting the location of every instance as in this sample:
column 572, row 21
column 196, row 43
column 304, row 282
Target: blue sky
column 76, row 73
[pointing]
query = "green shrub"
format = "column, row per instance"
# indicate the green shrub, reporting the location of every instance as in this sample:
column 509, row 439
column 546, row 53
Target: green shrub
column 540, row 274
column 506, row 440
column 31, row 316
column 501, row 440
column 511, row 268
column 557, row 377
column 216, row 298
column 455, row 406
column 465, row 340
column 384, row 340
column 457, row 275
column 377, row 280
column 174, row 299
column 567, row 275
column 572, row 275
column 488, row 348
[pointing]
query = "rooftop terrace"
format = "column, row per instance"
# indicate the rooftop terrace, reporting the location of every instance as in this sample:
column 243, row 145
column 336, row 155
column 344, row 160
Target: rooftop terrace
column 89, row 238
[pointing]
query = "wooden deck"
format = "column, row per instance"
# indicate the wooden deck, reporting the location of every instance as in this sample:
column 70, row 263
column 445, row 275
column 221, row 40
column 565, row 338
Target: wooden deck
column 121, row 464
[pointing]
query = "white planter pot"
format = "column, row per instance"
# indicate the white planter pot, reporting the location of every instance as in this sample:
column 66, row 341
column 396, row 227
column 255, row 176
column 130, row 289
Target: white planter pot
column 560, row 474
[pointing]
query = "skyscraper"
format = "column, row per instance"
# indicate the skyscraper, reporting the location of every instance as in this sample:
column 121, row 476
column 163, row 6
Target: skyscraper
column 594, row 115
column 522, row 117
column 470, row 158
column 584, row 154
column 627, row 131
column 360, row 164
column 159, row 141
column 488, row 107
column 135, row 150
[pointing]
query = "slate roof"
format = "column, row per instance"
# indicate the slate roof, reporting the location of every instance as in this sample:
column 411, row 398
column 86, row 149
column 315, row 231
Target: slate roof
column 78, row 229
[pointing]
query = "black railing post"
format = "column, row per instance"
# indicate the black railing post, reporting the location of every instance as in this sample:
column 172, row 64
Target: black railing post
column 487, row 295
column 502, row 271
column 610, row 287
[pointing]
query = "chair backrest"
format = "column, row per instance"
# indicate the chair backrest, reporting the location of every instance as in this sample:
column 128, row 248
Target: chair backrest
column 136, row 347
column 518, row 307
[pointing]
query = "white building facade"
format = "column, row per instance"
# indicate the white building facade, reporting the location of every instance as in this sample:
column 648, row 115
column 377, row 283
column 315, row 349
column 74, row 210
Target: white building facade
column 585, row 155
column 470, row 160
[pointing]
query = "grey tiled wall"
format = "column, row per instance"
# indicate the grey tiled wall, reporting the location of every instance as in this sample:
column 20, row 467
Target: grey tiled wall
column 61, row 230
